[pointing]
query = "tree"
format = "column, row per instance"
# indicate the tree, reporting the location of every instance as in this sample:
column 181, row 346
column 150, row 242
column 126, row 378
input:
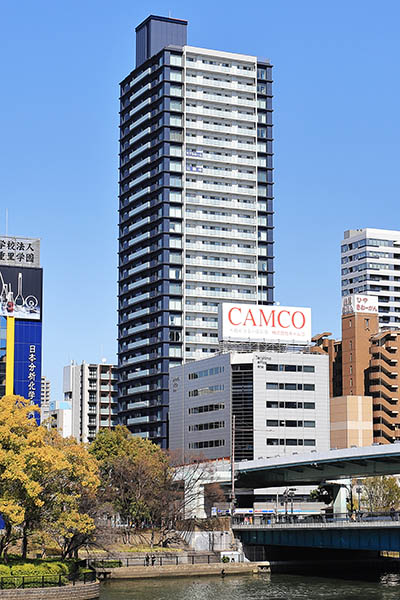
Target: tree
column 22, row 462
column 42, row 476
column 147, row 486
column 135, row 477
column 110, row 443
column 71, row 517
column 381, row 493
column 323, row 493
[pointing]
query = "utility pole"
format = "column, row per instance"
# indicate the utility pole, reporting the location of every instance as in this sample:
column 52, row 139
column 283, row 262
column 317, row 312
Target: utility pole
column 285, row 497
column 233, row 498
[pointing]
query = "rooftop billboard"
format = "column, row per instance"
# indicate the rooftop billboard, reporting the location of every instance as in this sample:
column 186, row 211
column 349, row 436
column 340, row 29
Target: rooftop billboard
column 18, row 251
column 260, row 323
column 359, row 303
column 21, row 292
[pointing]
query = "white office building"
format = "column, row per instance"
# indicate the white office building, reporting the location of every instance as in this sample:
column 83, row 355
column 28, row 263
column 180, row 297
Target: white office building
column 45, row 388
column 92, row 391
column 371, row 265
column 60, row 417
column 280, row 401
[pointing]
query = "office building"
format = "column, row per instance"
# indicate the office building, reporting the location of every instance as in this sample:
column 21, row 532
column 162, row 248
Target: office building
column 371, row 265
column 196, row 216
column 270, row 401
column 60, row 417
column 91, row 390
column 280, row 401
column 20, row 318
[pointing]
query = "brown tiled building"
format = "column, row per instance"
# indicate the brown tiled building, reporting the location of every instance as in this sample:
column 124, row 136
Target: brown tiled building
column 364, row 377
column 383, row 385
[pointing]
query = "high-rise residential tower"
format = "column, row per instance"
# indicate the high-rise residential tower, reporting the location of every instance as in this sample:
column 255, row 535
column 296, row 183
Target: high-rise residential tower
column 371, row 266
column 196, row 216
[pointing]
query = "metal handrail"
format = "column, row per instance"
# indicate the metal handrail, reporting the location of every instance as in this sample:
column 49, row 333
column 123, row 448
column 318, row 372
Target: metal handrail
column 355, row 519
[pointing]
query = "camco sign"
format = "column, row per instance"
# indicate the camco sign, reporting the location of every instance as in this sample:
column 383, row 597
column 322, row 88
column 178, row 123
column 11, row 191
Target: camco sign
column 359, row 304
column 259, row 323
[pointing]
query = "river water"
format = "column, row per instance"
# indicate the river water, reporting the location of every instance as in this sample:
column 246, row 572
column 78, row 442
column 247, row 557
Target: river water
column 255, row 587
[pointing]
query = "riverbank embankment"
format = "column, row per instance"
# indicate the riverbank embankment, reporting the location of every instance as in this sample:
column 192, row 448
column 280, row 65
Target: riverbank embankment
column 219, row 569
column 80, row 591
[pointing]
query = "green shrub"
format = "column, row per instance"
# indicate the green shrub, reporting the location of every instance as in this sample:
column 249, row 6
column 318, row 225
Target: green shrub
column 225, row 559
column 63, row 568
column 25, row 569
column 34, row 570
column 107, row 564
column 5, row 570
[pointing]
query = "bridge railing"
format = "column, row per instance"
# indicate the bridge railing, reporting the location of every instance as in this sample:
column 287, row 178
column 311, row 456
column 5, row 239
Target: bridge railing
column 271, row 520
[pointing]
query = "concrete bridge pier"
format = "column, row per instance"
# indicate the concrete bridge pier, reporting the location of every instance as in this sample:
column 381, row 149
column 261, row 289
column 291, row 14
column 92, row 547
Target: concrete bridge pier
column 340, row 495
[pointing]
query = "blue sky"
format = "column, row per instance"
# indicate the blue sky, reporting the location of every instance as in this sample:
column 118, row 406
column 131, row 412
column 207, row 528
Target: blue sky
column 336, row 143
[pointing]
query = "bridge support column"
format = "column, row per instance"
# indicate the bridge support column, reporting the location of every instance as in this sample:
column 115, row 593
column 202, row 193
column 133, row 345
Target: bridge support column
column 341, row 493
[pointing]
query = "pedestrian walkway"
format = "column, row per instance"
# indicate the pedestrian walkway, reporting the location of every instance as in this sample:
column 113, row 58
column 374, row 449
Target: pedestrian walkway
column 220, row 569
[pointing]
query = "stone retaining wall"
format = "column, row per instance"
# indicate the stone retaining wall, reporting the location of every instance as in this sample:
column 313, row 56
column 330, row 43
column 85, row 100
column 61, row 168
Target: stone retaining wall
column 184, row 570
column 88, row 591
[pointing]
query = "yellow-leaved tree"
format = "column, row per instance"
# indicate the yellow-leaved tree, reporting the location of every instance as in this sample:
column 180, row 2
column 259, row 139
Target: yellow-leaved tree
column 75, row 504
column 42, row 478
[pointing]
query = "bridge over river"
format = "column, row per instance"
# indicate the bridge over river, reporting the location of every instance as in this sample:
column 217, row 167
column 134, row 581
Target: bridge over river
column 308, row 468
column 373, row 534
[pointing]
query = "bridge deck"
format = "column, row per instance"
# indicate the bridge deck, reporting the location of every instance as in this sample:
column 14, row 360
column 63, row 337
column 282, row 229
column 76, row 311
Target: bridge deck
column 314, row 467
column 316, row 526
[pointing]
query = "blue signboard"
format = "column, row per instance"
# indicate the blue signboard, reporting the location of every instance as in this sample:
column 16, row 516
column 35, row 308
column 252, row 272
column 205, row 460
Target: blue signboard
column 28, row 361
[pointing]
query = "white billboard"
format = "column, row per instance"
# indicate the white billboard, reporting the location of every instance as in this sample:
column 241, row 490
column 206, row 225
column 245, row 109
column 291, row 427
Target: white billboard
column 358, row 303
column 19, row 252
column 259, row 323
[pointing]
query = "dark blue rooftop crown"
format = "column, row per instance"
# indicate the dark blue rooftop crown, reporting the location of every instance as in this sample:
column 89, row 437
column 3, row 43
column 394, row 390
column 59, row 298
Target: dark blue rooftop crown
column 154, row 33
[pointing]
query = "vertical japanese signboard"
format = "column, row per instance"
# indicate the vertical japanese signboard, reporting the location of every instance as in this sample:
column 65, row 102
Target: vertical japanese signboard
column 27, row 360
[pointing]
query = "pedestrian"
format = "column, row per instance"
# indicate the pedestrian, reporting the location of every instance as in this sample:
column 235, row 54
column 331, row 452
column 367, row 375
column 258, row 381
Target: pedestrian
column 153, row 560
column 392, row 513
column 147, row 560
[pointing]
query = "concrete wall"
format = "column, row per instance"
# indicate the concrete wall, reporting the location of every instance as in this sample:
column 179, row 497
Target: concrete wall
column 209, row 541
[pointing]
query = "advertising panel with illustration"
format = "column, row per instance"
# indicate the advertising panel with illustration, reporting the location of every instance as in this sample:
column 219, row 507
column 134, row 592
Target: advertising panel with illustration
column 21, row 292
